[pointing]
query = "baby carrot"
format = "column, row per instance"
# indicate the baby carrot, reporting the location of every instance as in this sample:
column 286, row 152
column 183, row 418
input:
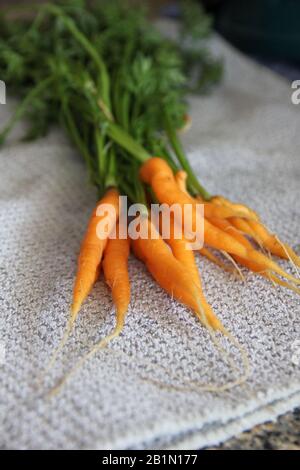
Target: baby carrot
column 168, row 272
column 115, row 268
column 272, row 243
column 242, row 208
column 92, row 248
column 187, row 258
column 214, row 259
column 159, row 175
column 180, row 178
column 89, row 260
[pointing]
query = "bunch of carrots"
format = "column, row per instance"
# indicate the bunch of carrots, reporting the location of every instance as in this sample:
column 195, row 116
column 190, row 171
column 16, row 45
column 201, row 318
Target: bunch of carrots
column 117, row 87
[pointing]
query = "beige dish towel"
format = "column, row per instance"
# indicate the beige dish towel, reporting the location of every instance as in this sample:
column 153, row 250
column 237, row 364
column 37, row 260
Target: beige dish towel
column 244, row 143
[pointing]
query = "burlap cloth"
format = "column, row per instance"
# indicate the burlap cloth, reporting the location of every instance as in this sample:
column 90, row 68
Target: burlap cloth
column 244, row 143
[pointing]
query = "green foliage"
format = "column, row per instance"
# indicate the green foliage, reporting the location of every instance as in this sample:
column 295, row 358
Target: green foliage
column 108, row 72
column 196, row 23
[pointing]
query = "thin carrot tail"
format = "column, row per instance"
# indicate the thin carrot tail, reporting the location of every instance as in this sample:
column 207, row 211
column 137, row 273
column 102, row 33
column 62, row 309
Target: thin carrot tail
column 194, row 385
column 245, row 360
column 261, row 245
column 83, row 288
column 234, row 341
column 236, row 266
column 220, row 200
column 59, row 348
column 291, row 255
column 204, row 320
column 271, row 265
column 280, row 282
column 295, row 258
column 76, row 306
column 202, row 316
column 221, row 349
column 92, row 352
column 211, row 257
column 274, row 244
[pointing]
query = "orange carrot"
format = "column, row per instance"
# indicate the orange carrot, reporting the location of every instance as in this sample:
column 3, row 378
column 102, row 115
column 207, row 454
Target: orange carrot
column 159, row 175
column 259, row 270
column 272, row 243
column 89, row 260
column 243, row 226
column 265, row 239
column 115, row 268
column 181, row 177
column 173, row 277
column 92, row 248
column 168, row 272
column 214, row 259
column 242, row 208
column 254, row 228
column 186, row 256
column 227, row 227
column 221, row 240
column 210, row 209
column 251, row 265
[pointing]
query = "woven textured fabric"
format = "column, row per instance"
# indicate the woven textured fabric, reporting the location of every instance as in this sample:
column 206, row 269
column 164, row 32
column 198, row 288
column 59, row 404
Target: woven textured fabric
column 244, row 143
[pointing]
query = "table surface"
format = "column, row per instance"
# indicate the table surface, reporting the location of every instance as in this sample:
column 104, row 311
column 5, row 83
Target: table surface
column 283, row 434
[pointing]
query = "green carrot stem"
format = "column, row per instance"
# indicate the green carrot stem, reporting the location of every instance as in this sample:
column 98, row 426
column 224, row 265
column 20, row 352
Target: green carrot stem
column 75, row 136
column 101, row 152
column 165, row 153
column 127, row 189
column 140, row 191
column 125, row 100
column 111, row 179
column 177, row 147
column 89, row 48
column 135, row 110
column 123, row 139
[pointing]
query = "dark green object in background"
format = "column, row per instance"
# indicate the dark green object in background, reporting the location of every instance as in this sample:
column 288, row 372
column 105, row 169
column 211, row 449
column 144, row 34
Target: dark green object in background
column 269, row 28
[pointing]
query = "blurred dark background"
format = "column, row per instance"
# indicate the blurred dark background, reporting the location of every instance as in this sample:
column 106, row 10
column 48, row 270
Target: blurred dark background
column 268, row 30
